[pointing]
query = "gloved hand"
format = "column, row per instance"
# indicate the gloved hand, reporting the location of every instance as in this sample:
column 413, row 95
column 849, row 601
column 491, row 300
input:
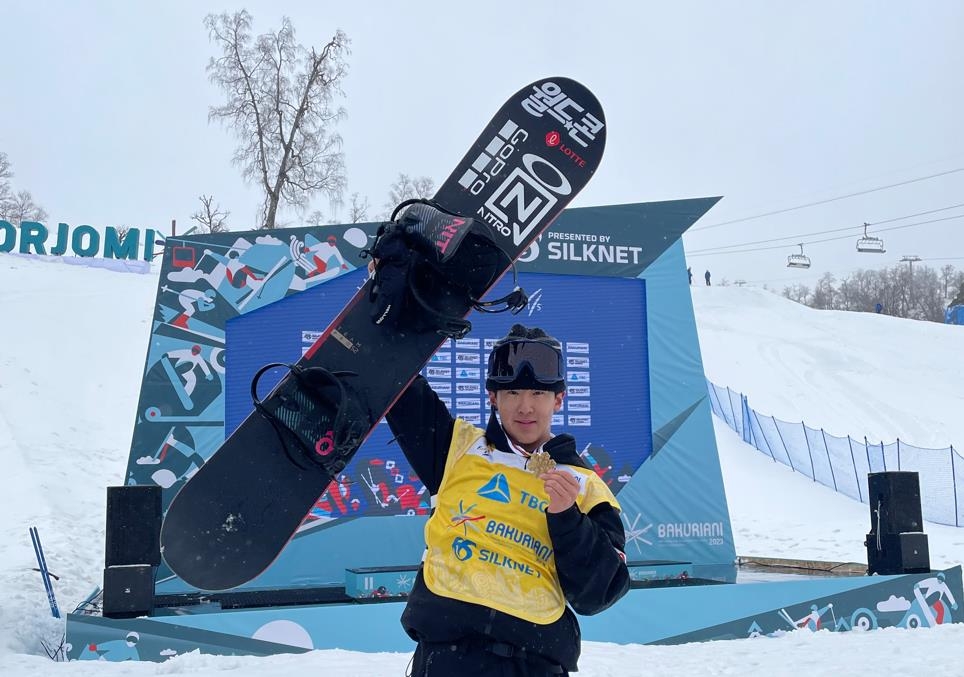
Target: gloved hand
column 391, row 256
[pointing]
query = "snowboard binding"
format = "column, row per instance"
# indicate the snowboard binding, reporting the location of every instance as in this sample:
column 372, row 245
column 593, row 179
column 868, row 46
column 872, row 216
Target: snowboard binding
column 318, row 412
column 428, row 250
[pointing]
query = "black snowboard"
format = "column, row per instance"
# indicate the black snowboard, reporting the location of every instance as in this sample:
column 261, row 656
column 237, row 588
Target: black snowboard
column 232, row 519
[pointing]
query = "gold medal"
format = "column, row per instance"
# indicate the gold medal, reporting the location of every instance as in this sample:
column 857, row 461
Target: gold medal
column 540, row 462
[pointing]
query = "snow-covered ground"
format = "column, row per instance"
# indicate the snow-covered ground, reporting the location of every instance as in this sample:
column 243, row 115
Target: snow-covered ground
column 72, row 348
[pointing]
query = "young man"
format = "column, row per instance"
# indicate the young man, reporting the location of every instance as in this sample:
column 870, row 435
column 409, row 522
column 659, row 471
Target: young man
column 514, row 547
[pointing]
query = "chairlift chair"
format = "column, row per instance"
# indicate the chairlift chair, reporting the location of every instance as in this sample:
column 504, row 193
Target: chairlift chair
column 183, row 256
column 800, row 260
column 869, row 244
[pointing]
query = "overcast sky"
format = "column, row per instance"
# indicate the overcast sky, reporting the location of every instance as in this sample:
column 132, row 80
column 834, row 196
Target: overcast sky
column 772, row 105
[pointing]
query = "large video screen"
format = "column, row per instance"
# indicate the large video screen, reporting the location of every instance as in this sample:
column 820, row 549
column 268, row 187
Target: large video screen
column 601, row 322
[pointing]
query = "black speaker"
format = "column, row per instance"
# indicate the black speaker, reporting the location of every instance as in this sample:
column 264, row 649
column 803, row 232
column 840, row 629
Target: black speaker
column 133, row 526
column 128, row 591
column 889, row 554
column 894, row 502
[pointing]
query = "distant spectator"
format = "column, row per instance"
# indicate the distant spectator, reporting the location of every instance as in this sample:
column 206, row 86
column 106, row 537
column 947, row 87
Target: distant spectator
column 707, row 277
column 689, row 271
column 879, row 307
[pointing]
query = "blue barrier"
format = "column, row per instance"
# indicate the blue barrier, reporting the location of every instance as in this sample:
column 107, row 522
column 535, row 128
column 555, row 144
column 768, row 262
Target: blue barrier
column 842, row 463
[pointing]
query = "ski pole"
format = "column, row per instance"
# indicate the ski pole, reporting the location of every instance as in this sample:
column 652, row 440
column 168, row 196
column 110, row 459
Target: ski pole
column 44, row 573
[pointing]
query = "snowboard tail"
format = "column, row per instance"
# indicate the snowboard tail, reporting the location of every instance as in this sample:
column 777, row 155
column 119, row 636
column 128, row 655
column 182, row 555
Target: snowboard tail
column 232, row 519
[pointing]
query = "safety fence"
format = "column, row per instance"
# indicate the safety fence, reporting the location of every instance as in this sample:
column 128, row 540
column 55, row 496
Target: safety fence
column 842, row 463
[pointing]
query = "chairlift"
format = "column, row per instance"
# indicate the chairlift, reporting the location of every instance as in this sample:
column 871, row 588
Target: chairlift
column 870, row 244
column 183, row 257
column 800, row 260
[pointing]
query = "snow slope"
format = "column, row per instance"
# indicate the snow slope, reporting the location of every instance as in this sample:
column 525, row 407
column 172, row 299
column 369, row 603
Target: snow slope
column 848, row 373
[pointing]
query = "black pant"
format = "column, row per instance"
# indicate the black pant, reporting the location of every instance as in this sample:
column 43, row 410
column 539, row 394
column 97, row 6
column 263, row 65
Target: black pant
column 479, row 658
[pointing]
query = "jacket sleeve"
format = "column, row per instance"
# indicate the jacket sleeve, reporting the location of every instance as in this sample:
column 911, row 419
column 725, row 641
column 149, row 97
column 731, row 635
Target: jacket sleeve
column 422, row 426
column 589, row 557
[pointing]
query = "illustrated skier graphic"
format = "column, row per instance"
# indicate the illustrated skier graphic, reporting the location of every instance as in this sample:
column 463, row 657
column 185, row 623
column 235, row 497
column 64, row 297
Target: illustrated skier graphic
column 812, row 620
column 176, row 457
column 238, row 273
column 318, row 258
column 191, row 301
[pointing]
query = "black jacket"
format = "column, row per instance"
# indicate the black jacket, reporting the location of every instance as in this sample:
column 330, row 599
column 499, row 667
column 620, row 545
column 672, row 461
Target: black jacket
column 592, row 573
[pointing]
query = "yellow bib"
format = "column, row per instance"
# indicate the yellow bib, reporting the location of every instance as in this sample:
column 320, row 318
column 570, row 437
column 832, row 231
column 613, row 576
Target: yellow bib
column 488, row 541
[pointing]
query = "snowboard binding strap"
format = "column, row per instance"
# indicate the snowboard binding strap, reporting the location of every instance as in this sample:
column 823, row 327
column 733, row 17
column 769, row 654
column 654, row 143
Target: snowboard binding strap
column 303, row 409
column 431, row 248
column 454, row 327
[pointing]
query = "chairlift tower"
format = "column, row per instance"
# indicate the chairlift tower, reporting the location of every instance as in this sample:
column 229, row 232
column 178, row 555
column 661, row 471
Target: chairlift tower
column 911, row 259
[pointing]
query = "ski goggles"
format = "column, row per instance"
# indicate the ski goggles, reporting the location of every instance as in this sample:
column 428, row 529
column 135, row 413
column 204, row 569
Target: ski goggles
column 508, row 360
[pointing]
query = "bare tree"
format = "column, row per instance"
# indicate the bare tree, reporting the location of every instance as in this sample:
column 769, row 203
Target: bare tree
column 20, row 207
column 211, row 217
column 358, row 209
column 280, row 105
column 824, row 293
column 920, row 296
column 947, row 277
column 928, row 302
column 406, row 188
column 6, row 191
column 959, row 294
column 316, row 218
column 16, row 206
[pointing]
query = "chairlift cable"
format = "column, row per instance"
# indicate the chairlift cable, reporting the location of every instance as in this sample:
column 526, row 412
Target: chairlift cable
column 808, row 242
column 825, row 232
column 828, row 200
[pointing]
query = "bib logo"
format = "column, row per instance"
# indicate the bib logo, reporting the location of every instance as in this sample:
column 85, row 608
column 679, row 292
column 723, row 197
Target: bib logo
column 462, row 548
column 496, row 489
column 464, row 518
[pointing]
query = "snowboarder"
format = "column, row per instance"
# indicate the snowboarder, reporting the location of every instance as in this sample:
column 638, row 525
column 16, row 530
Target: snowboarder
column 496, row 596
column 707, row 278
column 689, row 271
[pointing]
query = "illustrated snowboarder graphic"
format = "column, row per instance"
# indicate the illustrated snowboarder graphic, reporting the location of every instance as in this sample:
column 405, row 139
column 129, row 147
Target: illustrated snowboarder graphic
column 935, row 611
column 175, row 360
column 115, row 650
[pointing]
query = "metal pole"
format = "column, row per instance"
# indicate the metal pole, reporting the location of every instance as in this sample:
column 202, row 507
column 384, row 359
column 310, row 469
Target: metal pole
column 813, row 472
column 784, row 443
column 850, row 443
column 957, row 521
column 763, row 435
column 910, row 259
column 829, row 462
